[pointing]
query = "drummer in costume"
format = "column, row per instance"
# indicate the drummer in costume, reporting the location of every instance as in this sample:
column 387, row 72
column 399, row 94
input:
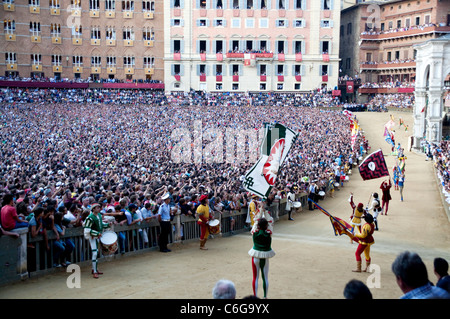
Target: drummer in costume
column 365, row 240
column 290, row 203
column 203, row 219
column 358, row 213
column 260, row 253
column 93, row 229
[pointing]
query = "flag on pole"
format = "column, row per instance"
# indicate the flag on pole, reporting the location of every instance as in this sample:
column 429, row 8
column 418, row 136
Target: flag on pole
column 373, row 166
column 355, row 131
column 339, row 226
column 275, row 146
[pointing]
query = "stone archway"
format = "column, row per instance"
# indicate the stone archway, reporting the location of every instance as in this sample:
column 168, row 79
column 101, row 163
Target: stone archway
column 432, row 67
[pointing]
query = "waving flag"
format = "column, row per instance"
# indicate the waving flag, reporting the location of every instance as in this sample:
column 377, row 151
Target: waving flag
column 339, row 226
column 373, row 166
column 276, row 145
column 388, row 137
column 355, row 131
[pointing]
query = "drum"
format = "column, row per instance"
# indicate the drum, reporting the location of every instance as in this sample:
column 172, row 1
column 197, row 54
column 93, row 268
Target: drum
column 214, row 226
column 109, row 243
column 336, row 185
column 297, row 204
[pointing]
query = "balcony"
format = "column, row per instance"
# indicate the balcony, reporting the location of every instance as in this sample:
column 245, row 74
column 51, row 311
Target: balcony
column 299, row 13
column 250, row 13
column 202, row 78
column 280, row 78
column 76, row 12
column 388, row 65
column 203, row 12
column 95, row 41
column 282, row 13
column 324, row 78
column 177, row 56
column 240, row 55
column 236, row 13
column 111, row 70
column 413, row 31
column 77, row 69
column 298, row 57
column 263, row 78
column 218, row 78
column 264, row 13
column 128, row 43
column 326, row 57
column 281, row 57
column 219, row 56
column 219, row 13
column 177, row 77
column 235, row 78
column 298, row 78
column 203, row 56
column 110, row 14
column 77, row 41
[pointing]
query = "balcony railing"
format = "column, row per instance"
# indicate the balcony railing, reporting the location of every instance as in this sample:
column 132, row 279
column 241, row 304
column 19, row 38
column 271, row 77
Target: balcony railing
column 404, row 33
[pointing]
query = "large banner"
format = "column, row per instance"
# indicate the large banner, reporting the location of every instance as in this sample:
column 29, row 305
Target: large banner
column 373, row 166
column 275, row 146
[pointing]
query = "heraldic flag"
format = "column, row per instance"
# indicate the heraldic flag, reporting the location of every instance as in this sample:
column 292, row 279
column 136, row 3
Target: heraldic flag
column 339, row 226
column 275, row 146
column 373, row 166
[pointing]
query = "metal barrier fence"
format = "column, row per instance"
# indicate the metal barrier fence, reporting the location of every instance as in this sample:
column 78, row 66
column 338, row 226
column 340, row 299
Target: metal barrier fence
column 29, row 257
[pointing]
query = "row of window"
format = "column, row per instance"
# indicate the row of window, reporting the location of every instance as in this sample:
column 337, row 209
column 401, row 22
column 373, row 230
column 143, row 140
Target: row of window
column 77, row 60
column 262, row 86
column 261, row 69
column 253, row 4
column 251, row 23
column 241, row 46
column 128, row 33
column 110, row 5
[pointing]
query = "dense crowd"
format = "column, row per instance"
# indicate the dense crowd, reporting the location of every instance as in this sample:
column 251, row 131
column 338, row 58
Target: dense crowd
column 71, row 155
column 385, row 101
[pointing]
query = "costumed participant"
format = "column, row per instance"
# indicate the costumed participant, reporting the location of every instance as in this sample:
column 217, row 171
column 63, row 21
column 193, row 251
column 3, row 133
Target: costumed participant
column 203, row 218
column 260, row 253
column 253, row 210
column 290, row 203
column 396, row 174
column 93, row 229
column 365, row 240
column 376, row 208
column 357, row 214
column 386, row 189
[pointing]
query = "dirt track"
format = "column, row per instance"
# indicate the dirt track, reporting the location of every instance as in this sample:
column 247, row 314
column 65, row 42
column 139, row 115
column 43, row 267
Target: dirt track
column 311, row 263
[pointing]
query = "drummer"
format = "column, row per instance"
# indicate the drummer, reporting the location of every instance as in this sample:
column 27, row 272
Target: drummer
column 93, row 229
column 204, row 218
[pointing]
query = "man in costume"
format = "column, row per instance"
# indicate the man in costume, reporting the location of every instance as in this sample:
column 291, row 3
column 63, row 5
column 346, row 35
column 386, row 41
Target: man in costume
column 203, row 219
column 357, row 214
column 386, row 197
column 290, row 203
column 260, row 253
column 376, row 208
column 365, row 240
column 253, row 210
column 93, row 229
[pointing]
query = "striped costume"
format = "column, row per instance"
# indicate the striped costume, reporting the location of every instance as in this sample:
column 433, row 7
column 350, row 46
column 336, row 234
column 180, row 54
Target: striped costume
column 260, row 253
column 93, row 229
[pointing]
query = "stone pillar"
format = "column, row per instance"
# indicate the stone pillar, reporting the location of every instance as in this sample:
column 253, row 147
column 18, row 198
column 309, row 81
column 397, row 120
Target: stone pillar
column 22, row 269
column 419, row 116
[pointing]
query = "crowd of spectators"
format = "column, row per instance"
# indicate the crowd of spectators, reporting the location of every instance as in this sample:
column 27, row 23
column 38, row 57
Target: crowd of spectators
column 61, row 155
column 402, row 29
column 385, row 101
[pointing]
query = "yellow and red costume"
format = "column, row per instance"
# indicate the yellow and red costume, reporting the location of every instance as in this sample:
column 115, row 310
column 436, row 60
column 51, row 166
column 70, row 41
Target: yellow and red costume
column 365, row 240
column 203, row 219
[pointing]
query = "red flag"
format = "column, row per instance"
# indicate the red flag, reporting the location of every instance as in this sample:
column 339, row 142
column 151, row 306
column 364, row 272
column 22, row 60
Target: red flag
column 339, row 226
column 373, row 166
column 350, row 87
